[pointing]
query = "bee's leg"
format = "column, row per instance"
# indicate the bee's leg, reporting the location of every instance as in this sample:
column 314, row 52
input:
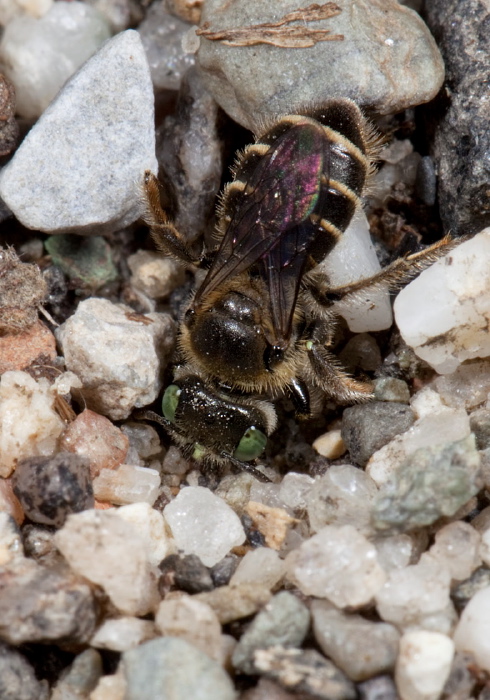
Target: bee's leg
column 327, row 373
column 167, row 239
column 392, row 277
column 298, row 392
column 246, row 467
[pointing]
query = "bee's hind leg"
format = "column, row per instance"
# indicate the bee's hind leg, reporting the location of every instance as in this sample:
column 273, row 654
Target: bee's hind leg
column 167, row 238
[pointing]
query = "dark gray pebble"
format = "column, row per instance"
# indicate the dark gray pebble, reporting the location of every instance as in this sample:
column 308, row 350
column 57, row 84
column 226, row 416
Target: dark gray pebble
column 366, row 428
column 50, row 488
column 464, row 591
column 17, row 678
column 185, row 572
column 480, row 425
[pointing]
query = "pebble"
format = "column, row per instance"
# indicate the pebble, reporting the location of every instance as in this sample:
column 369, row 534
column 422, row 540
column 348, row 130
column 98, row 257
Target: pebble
column 343, row 495
column 29, row 423
column 86, row 261
column 417, row 596
column 395, row 552
column 423, row 665
column 284, row 622
column 175, row 463
column 92, row 130
column 380, row 688
column 361, row 352
column 118, row 358
column 96, row 438
column 463, row 179
column 17, row 678
column 338, row 563
column 110, row 552
column 9, row 503
column 304, row 671
column 352, row 259
column 80, row 678
column 450, row 326
column 480, row 426
column 149, row 523
column 190, row 152
column 268, row 690
column 39, row 55
column 465, row 591
column 472, row 632
column 120, row 14
column 401, row 65
column 367, row 428
column 203, row 524
column 143, row 439
column 457, row 547
column 261, row 566
column 22, row 291
column 461, row 680
column 33, row 346
column 294, row 491
column 485, row 546
column 330, row 445
column 50, row 488
column 433, row 482
column 467, row 387
column 161, row 34
column 343, row 637
column 192, row 620
column 446, row 423
column 44, row 605
column 111, row 687
column 123, row 633
column 391, row 389
column 232, row 603
column 11, row 548
column 172, row 668
column 272, row 523
column 186, row 573
column 155, row 275
column 127, row 484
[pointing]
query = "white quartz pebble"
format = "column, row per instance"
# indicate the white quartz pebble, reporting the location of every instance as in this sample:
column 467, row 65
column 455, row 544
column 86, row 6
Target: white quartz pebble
column 449, row 302
column 127, row 484
column 457, row 549
column 80, row 169
column 338, row 563
column 39, row 55
column 203, row 524
column 192, row 620
column 294, row 490
column 149, row 523
column 122, row 633
column 472, row 633
column 105, row 549
column 352, row 259
column 262, row 567
column 423, row 665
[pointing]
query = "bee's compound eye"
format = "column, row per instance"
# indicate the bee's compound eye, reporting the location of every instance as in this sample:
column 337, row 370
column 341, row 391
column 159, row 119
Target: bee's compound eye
column 251, row 445
column 170, row 401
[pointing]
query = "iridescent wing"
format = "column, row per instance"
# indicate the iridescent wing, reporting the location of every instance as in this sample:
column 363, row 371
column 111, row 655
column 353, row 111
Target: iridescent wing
column 271, row 225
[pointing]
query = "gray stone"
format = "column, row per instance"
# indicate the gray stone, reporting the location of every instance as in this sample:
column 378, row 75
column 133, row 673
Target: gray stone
column 172, row 669
column 361, row 351
column 380, row 688
column 461, row 681
column 342, row 638
column 465, row 591
column 387, row 60
column 391, row 389
column 284, row 621
column 81, row 167
column 50, row 488
column 305, row 671
column 432, row 482
column 38, row 604
column 462, row 140
column 185, row 572
column 190, row 153
column 80, row 678
column 17, row 678
column 367, row 428
column 118, row 357
column 480, row 425
column 161, row 35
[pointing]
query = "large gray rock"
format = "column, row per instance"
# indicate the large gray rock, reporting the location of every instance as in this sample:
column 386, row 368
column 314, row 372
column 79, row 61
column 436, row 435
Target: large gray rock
column 462, row 142
column 81, row 167
column 387, row 60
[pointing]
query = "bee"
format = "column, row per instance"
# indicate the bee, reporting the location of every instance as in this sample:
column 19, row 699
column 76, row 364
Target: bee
column 261, row 323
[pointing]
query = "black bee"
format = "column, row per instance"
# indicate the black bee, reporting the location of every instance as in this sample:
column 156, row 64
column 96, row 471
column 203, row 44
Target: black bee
column 261, row 323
